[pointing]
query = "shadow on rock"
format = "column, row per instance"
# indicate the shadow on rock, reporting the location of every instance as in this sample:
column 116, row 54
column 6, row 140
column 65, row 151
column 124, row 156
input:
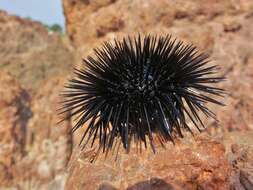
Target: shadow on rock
column 152, row 184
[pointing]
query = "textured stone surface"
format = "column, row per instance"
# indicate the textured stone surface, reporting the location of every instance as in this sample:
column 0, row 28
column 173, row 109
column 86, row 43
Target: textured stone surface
column 208, row 162
column 34, row 150
column 14, row 115
column 96, row 20
column 29, row 53
column 49, row 140
column 191, row 164
column 221, row 28
column 239, row 146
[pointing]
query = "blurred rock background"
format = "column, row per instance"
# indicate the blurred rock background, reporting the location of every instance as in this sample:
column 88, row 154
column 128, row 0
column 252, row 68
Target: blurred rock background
column 35, row 62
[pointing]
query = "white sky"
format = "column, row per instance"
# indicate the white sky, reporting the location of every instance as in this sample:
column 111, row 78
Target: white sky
column 46, row 11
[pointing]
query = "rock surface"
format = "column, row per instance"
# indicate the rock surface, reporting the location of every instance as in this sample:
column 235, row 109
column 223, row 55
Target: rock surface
column 34, row 150
column 221, row 28
column 30, row 53
column 191, row 164
column 240, row 153
column 90, row 22
column 14, row 115
column 204, row 162
column 34, row 65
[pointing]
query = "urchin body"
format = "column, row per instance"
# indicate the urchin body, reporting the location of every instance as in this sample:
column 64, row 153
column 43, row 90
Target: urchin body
column 136, row 88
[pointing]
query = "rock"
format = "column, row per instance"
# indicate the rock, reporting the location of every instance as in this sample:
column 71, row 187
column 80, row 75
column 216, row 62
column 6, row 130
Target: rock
column 239, row 151
column 234, row 55
column 220, row 28
column 231, row 26
column 30, row 53
column 187, row 165
column 35, row 150
column 86, row 19
column 14, row 115
column 190, row 164
column 50, row 144
column 245, row 180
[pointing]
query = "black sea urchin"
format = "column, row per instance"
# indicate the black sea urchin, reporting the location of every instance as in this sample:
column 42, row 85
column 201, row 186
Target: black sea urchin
column 140, row 87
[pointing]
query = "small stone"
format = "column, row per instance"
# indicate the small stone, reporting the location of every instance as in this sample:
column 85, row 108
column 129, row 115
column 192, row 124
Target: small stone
column 231, row 26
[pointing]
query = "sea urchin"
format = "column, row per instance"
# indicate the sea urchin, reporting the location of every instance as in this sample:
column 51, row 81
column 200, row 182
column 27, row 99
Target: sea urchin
column 141, row 87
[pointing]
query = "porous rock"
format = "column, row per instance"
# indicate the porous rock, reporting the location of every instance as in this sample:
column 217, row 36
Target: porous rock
column 14, row 115
column 34, row 149
column 222, row 29
column 30, row 53
column 198, row 163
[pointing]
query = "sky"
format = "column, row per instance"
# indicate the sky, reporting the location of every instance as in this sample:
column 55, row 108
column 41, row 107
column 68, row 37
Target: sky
column 45, row 11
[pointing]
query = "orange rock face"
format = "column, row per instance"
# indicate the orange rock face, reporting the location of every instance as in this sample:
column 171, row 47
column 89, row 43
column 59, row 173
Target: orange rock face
column 35, row 152
column 190, row 164
column 91, row 21
column 223, row 29
column 14, row 115
column 30, row 53
column 239, row 153
column 51, row 141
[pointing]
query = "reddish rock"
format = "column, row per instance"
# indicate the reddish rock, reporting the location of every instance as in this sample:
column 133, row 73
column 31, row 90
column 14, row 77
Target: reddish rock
column 85, row 18
column 190, row 164
column 50, row 140
column 30, row 53
column 231, row 25
column 240, row 153
column 234, row 55
column 14, row 115
column 35, row 150
column 223, row 29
